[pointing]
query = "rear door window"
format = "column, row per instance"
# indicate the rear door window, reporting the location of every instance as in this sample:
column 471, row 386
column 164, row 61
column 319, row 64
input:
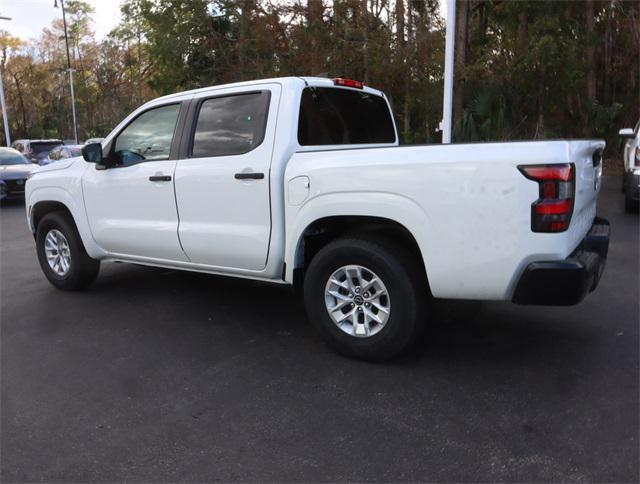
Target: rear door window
column 43, row 147
column 333, row 116
column 230, row 125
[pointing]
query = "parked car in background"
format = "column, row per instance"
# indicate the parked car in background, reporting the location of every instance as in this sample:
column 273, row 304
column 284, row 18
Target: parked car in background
column 61, row 153
column 325, row 198
column 631, row 175
column 15, row 168
column 93, row 140
column 3, row 190
column 35, row 149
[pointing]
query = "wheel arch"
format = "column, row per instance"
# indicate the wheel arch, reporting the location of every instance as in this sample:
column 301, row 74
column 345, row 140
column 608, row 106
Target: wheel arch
column 44, row 200
column 44, row 207
column 323, row 230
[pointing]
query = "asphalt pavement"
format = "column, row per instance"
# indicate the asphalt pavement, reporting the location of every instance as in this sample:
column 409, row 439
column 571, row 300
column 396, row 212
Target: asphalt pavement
column 155, row 375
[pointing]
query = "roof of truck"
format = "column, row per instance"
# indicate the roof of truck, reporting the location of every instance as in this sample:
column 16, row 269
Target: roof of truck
column 315, row 81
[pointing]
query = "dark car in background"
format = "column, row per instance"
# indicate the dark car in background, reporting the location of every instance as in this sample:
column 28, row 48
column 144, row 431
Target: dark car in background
column 35, row 149
column 61, row 153
column 15, row 168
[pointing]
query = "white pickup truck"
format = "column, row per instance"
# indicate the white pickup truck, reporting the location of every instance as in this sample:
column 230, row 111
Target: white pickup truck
column 301, row 181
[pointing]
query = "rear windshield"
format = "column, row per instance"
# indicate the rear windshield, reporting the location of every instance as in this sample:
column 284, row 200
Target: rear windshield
column 42, row 147
column 330, row 116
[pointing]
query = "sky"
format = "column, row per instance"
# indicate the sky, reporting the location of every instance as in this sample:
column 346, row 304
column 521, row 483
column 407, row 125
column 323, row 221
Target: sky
column 29, row 17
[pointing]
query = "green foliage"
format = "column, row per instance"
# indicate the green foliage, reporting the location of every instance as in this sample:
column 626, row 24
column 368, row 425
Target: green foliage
column 526, row 73
column 527, row 70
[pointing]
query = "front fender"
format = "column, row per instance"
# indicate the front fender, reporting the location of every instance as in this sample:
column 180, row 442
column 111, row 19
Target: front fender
column 394, row 207
column 75, row 207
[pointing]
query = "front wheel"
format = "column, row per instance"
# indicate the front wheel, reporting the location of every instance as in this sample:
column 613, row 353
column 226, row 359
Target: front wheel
column 62, row 255
column 367, row 298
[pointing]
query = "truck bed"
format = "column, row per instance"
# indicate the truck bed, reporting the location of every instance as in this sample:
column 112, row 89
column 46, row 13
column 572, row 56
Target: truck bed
column 467, row 205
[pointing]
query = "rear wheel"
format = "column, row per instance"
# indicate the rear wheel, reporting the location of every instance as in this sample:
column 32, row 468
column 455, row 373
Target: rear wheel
column 366, row 298
column 62, row 255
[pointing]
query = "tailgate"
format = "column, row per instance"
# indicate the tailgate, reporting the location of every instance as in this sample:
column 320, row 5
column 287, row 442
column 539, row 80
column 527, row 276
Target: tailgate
column 586, row 155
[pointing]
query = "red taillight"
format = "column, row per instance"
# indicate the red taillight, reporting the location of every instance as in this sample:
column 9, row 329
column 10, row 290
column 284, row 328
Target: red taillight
column 553, row 207
column 548, row 172
column 339, row 81
column 552, row 211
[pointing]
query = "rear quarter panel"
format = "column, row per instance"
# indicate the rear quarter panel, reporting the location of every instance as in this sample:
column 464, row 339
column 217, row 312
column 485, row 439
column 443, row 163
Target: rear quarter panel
column 467, row 205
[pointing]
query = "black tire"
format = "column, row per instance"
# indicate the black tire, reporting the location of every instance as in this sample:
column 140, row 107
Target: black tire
column 406, row 284
column 630, row 206
column 82, row 270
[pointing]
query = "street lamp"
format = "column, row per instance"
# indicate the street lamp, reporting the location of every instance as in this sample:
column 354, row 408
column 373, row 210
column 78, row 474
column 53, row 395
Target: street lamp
column 5, row 119
column 449, row 72
column 69, row 69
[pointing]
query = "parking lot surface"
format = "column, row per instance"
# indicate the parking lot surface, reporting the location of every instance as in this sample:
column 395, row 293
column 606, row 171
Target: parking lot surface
column 156, row 375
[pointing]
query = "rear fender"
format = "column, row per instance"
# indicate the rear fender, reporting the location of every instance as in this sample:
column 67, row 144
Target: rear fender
column 389, row 206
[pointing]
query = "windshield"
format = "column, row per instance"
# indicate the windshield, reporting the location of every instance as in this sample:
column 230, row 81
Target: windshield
column 330, row 116
column 13, row 159
column 38, row 148
column 75, row 151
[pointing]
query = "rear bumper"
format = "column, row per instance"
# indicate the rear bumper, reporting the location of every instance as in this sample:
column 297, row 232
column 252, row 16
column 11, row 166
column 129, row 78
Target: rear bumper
column 566, row 282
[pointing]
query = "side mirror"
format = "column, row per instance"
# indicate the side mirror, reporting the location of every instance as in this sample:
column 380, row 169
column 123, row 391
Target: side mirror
column 92, row 153
column 626, row 133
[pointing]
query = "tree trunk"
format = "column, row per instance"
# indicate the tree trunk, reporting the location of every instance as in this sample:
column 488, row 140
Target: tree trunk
column 591, row 57
column 523, row 34
column 461, row 35
column 401, row 63
column 407, row 77
column 314, row 16
column 364, row 12
column 246, row 9
column 607, row 55
column 541, row 107
column 400, row 25
column 21, row 102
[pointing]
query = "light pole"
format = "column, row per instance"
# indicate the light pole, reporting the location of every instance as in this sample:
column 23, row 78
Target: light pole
column 449, row 52
column 69, row 69
column 5, row 119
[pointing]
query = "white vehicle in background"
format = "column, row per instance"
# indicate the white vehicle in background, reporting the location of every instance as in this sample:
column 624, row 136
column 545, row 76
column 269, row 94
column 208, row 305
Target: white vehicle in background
column 35, row 149
column 62, row 152
column 301, row 181
column 631, row 175
column 93, row 140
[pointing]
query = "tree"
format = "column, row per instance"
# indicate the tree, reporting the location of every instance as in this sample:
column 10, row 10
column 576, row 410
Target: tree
column 526, row 69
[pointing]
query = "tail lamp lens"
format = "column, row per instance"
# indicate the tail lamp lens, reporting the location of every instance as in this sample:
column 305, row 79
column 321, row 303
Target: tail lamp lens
column 552, row 211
